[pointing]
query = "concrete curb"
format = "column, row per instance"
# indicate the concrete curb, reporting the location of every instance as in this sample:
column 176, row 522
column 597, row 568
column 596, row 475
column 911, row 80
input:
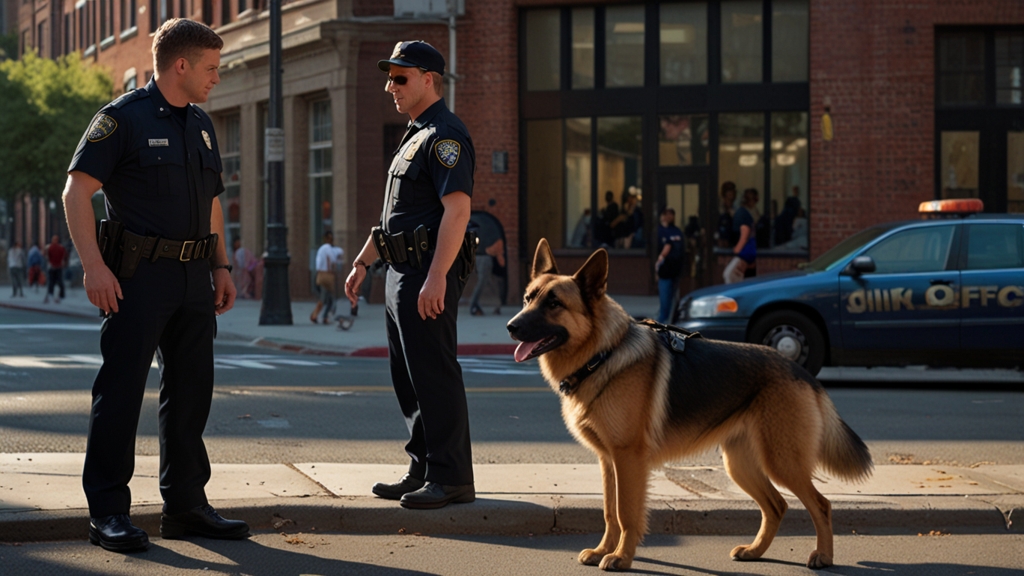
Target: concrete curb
column 538, row 515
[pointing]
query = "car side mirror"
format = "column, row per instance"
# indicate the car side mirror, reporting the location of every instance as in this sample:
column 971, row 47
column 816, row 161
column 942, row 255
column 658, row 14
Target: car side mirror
column 860, row 265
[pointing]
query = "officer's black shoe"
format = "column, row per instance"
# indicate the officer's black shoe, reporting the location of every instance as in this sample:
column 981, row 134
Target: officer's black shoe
column 117, row 533
column 396, row 491
column 435, row 495
column 202, row 521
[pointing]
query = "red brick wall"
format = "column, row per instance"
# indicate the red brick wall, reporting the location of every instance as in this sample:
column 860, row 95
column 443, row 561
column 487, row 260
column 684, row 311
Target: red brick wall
column 875, row 61
column 373, row 8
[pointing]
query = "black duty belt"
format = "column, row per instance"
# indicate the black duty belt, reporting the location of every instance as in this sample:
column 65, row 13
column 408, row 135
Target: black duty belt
column 154, row 247
column 402, row 247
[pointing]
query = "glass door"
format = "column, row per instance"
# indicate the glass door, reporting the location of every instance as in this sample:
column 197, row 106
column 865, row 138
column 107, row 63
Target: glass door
column 685, row 195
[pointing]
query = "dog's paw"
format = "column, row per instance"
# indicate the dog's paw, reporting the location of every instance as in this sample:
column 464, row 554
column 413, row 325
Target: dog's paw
column 819, row 560
column 591, row 557
column 743, row 553
column 615, row 562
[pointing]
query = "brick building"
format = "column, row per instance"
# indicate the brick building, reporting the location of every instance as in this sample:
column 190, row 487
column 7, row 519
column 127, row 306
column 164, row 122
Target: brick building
column 648, row 104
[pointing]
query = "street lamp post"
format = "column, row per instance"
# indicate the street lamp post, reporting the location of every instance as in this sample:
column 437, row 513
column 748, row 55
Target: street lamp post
column 276, row 307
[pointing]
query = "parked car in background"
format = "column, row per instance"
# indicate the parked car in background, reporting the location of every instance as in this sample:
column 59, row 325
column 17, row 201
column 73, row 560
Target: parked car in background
column 938, row 291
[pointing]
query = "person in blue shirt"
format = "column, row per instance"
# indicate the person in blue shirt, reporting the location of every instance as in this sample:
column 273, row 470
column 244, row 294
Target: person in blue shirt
column 745, row 251
column 671, row 257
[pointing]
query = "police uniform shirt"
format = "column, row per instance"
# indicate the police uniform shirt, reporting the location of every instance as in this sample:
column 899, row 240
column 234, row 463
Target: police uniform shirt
column 436, row 158
column 160, row 172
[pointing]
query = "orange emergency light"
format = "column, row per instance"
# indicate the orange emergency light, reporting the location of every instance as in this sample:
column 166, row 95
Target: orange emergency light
column 958, row 206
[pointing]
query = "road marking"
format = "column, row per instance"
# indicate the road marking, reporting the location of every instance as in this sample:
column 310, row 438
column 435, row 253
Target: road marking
column 73, row 327
column 348, row 390
column 225, row 362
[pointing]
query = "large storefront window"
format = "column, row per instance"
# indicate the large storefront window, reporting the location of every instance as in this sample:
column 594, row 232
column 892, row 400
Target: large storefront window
column 1009, row 67
column 231, row 159
column 583, row 48
column 960, row 164
column 624, row 46
column 684, row 140
column 320, row 176
column 578, row 163
column 1015, row 172
column 742, row 31
column 542, row 50
column 544, row 182
column 790, row 34
column 684, row 43
column 619, row 183
column 961, row 68
column 790, row 173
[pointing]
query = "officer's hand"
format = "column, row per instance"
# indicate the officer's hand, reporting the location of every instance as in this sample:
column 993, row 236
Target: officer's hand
column 223, row 291
column 353, row 282
column 102, row 288
column 431, row 300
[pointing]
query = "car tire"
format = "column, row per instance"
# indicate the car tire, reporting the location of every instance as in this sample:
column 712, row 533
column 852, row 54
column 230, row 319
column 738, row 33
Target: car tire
column 794, row 336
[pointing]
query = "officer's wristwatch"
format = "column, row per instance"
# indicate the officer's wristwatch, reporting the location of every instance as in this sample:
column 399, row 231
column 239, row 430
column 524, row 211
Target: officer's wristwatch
column 228, row 267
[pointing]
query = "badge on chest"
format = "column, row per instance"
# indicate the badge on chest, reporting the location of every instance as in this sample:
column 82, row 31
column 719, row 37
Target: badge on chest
column 414, row 145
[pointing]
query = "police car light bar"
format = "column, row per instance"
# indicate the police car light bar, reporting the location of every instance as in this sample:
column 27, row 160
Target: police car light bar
column 957, row 206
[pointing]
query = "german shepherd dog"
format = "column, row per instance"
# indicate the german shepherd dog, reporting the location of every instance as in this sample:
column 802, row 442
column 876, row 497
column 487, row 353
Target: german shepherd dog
column 636, row 403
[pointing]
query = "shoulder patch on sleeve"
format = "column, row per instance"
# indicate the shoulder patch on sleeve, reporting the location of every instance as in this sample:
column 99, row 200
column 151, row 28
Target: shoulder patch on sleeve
column 101, row 127
column 448, row 152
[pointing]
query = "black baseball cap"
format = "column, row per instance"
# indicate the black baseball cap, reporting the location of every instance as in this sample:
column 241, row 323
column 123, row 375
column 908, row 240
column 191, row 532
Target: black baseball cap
column 415, row 54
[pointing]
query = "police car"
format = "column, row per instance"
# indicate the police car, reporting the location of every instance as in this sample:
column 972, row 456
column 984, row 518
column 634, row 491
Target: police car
column 938, row 291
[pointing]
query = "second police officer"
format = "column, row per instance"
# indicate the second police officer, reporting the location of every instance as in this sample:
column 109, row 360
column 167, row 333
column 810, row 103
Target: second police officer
column 422, row 236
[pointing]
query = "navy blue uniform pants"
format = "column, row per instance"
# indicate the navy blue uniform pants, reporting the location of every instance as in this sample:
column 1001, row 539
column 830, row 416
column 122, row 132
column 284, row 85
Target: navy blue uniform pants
column 167, row 309
column 428, row 379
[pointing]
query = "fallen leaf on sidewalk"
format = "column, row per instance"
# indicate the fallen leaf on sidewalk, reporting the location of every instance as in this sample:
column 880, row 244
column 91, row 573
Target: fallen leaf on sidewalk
column 934, row 533
column 245, row 417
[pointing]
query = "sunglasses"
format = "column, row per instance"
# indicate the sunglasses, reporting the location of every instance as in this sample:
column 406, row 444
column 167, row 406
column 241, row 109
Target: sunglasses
column 399, row 80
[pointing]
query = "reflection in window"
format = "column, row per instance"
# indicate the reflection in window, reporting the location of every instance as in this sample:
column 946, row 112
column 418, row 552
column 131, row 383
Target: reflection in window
column 915, row 250
column 583, row 48
column 961, row 68
column 619, row 169
column 684, row 43
column 959, row 171
column 995, row 246
column 741, row 150
column 542, row 49
column 790, row 32
column 231, row 158
column 1009, row 67
column 741, row 41
column 544, row 180
column 624, row 46
column 789, row 181
column 1015, row 172
column 320, row 176
column 578, row 161
column 683, row 140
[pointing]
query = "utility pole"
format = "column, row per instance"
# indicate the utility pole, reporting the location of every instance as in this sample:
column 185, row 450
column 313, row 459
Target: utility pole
column 276, row 308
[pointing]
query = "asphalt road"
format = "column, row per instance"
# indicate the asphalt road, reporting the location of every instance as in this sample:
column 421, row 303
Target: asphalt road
column 549, row 555
column 274, row 406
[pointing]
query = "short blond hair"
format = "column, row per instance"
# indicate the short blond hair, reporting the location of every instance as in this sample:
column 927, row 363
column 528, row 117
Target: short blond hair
column 438, row 83
column 182, row 38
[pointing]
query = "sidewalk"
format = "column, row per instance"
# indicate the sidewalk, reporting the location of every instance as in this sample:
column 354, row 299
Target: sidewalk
column 41, row 496
column 41, row 499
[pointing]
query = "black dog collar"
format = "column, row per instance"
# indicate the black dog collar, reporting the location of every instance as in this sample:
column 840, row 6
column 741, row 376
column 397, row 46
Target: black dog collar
column 569, row 385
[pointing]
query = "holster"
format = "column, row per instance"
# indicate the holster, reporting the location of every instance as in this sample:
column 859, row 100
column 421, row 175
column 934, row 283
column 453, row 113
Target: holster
column 467, row 252
column 110, row 239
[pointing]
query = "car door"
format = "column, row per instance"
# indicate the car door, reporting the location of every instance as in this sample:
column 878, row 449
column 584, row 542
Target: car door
column 992, row 294
column 906, row 311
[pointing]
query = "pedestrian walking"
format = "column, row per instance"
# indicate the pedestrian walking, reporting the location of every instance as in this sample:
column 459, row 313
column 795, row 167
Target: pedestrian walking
column 35, row 267
column 56, row 257
column 16, row 269
column 744, row 252
column 325, row 278
column 160, row 278
column 423, row 238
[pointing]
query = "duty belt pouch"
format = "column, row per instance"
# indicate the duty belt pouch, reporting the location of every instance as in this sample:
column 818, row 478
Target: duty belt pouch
column 109, row 241
column 468, row 252
column 131, row 248
column 420, row 245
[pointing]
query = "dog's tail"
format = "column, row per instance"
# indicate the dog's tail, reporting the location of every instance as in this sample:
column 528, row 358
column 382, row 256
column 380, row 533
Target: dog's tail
column 843, row 453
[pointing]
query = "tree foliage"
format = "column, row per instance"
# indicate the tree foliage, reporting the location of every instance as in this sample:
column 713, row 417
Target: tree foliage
column 45, row 107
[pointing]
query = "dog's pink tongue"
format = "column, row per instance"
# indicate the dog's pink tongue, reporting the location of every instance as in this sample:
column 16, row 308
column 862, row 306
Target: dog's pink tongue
column 524, row 349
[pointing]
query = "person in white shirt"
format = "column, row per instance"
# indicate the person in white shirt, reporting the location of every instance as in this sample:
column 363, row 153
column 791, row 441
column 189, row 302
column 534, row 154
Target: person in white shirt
column 325, row 259
column 16, row 268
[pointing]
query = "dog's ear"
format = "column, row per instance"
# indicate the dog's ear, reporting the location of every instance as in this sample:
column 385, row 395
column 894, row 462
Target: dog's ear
column 592, row 277
column 543, row 260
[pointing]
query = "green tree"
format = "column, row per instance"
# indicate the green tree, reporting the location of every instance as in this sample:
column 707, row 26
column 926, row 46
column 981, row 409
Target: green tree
column 45, row 107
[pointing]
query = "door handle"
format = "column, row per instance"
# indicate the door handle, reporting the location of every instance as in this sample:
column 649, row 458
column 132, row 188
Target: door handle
column 939, row 281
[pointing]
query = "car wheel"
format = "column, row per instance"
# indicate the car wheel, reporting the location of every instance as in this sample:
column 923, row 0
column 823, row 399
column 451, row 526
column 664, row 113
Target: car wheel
column 794, row 336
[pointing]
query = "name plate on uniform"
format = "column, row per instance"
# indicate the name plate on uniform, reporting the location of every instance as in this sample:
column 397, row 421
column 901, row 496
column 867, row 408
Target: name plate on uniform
column 154, row 142
column 274, row 144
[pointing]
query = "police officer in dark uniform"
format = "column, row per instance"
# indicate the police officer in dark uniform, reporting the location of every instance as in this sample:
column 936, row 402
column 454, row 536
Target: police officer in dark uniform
column 156, row 157
column 423, row 239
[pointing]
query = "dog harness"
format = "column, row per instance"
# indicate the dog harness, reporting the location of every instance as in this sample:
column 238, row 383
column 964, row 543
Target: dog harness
column 673, row 337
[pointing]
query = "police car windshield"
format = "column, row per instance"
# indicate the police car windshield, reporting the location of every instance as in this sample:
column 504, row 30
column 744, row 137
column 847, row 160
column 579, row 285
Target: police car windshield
column 839, row 252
